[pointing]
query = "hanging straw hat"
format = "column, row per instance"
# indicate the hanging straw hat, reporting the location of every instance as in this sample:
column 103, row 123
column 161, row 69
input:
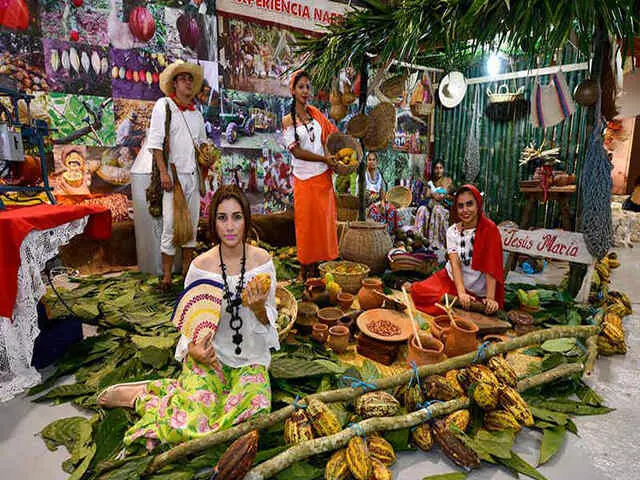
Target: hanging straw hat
column 197, row 311
column 176, row 68
column 453, row 88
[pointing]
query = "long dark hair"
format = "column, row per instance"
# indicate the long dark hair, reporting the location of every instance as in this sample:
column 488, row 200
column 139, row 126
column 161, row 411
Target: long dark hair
column 226, row 192
column 296, row 79
column 433, row 167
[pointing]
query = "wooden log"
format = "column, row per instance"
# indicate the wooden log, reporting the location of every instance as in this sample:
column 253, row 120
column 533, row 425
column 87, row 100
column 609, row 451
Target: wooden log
column 592, row 345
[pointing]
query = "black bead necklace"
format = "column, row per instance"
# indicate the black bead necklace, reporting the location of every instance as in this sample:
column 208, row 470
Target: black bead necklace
column 233, row 303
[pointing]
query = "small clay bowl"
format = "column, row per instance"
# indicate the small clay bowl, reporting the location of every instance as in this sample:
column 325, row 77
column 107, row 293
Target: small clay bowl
column 330, row 315
column 320, row 332
column 345, row 300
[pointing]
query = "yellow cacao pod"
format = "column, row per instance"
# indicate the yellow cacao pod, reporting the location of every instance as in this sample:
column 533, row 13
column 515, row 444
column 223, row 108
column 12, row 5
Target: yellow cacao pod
column 379, row 471
column 358, row 459
column 337, row 468
column 607, row 347
column 513, row 403
column 381, row 450
column 503, row 371
column 452, row 377
column 612, row 332
column 498, row 420
column 614, row 263
column 323, row 420
column 297, row 428
column 453, row 447
column 477, row 374
column 413, row 397
column 422, row 437
column 458, row 418
column 264, row 280
column 486, row 395
column 438, row 387
column 377, row 404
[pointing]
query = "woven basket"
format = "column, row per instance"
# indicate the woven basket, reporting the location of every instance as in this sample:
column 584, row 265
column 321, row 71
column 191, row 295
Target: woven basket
column 367, row 243
column 382, row 126
column 337, row 141
column 347, row 206
column 288, row 301
column 399, row 196
column 421, row 109
column 358, row 126
column 502, row 94
column 392, row 89
column 350, row 282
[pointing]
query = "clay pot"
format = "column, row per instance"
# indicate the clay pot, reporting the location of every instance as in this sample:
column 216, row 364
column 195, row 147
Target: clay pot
column 439, row 324
column 431, row 351
column 367, row 297
column 350, row 324
column 329, row 316
column 320, row 332
column 307, row 316
column 461, row 337
column 586, row 93
column 345, row 300
column 339, row 338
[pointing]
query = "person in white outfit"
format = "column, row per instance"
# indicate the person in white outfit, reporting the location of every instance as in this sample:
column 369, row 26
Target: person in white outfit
column 180, row 82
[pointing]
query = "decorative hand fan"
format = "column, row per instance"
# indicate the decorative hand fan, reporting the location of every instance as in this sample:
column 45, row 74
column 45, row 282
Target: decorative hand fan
column 197, row 311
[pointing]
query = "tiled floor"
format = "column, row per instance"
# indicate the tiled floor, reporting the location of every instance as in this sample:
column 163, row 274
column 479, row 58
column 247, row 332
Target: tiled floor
column 606, row 448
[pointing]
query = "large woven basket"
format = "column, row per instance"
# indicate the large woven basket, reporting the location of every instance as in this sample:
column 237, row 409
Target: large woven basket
column 337, row 141
column 399, row 196
column 392, row 89
column 347, row 206
column 358, row 126
column 382, row 125
column 288, row 301
column 367, row 243
column 350, row 282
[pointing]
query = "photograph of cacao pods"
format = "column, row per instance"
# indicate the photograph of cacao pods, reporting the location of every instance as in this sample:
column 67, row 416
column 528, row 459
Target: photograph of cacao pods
column 137, row 24
column 190, row 34
column 21, row 16
column 77, row 68
column 22, row 63
column 135, row 73
column 253, row 56
column 71, row 174
column 86, row 21
column 131, row 121
column 203, row 6
column 111, row 169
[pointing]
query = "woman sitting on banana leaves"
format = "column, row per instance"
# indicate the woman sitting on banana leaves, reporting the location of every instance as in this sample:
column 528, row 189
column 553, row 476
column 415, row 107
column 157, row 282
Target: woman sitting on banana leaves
column 224, row 380
column 474, row 270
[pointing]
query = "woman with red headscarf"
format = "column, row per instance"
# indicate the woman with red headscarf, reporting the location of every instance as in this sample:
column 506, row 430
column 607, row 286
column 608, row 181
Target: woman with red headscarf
column 305, row 131
column 474, row 269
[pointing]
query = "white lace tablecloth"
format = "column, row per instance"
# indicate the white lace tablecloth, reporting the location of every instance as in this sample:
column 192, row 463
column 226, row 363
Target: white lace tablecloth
column 17, row 338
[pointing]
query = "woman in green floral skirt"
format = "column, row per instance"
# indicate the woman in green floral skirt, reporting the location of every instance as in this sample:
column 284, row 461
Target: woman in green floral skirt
column 224, row 380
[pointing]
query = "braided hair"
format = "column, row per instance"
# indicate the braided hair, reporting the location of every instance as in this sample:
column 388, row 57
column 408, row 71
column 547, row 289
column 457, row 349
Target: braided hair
column 294, row 81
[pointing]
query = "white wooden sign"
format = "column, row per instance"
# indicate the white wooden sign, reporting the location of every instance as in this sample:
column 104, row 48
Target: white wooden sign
column 308, row 15
column 556, row 244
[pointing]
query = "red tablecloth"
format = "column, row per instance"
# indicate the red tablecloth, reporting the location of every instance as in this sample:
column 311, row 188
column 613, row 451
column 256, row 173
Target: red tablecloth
column 16, row 223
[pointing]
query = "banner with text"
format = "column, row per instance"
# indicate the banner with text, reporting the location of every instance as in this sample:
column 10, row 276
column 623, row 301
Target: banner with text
column 557, row 244
column 308, row 15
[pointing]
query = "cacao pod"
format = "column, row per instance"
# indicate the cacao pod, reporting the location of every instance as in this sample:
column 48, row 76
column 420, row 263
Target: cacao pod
column 237, row 460
column 618, row 309
column 498, row 420
column 518, row 317
column 453, row 447
column 614, row 263
column 486, row 395
column 513, row 403
column 189, row 30
column 379, row 471
column 381, row 450
column 377, row 404
column 323, row 420
column 606, row 347
column 142, row 24
column 452, row 376
column 612, row 332
column 264, row 282
column 503, row 371
column 459, row 418
column 358, row 459
column 623, row 298
column 438, row 387
column 337, row 468
column 297, row 428
column 413, row 397
column 422, row 437
column 476, row 374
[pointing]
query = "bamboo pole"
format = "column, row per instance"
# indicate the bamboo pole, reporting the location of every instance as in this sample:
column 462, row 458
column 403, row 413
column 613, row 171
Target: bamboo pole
column 309, row 448
column 592, row 345
column 345, row 394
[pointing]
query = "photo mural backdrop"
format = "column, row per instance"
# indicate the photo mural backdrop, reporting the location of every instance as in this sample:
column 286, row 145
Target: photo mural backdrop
column 94, row 67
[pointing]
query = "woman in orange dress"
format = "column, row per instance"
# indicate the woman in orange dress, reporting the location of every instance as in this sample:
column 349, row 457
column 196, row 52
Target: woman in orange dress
column 305, row 132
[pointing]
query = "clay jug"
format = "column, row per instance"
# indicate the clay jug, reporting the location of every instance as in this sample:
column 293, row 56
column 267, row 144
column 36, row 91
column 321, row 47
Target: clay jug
column 439, row 324
column 367, row 297
column 461, row 337
column 431, row 351
column 320, row 332
column 339, row 338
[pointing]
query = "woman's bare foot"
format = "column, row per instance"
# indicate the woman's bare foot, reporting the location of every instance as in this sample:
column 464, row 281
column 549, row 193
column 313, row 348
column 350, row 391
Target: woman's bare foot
column 121, row 395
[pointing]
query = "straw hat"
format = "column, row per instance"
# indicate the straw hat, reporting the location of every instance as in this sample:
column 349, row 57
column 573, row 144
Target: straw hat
column 453, row 88
column 176, row 68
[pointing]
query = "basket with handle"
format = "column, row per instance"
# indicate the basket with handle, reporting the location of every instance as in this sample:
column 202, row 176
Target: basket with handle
column 287, row 301
column 350, row 282
column 399, row 196
column 503, row 95
column 336, row 142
